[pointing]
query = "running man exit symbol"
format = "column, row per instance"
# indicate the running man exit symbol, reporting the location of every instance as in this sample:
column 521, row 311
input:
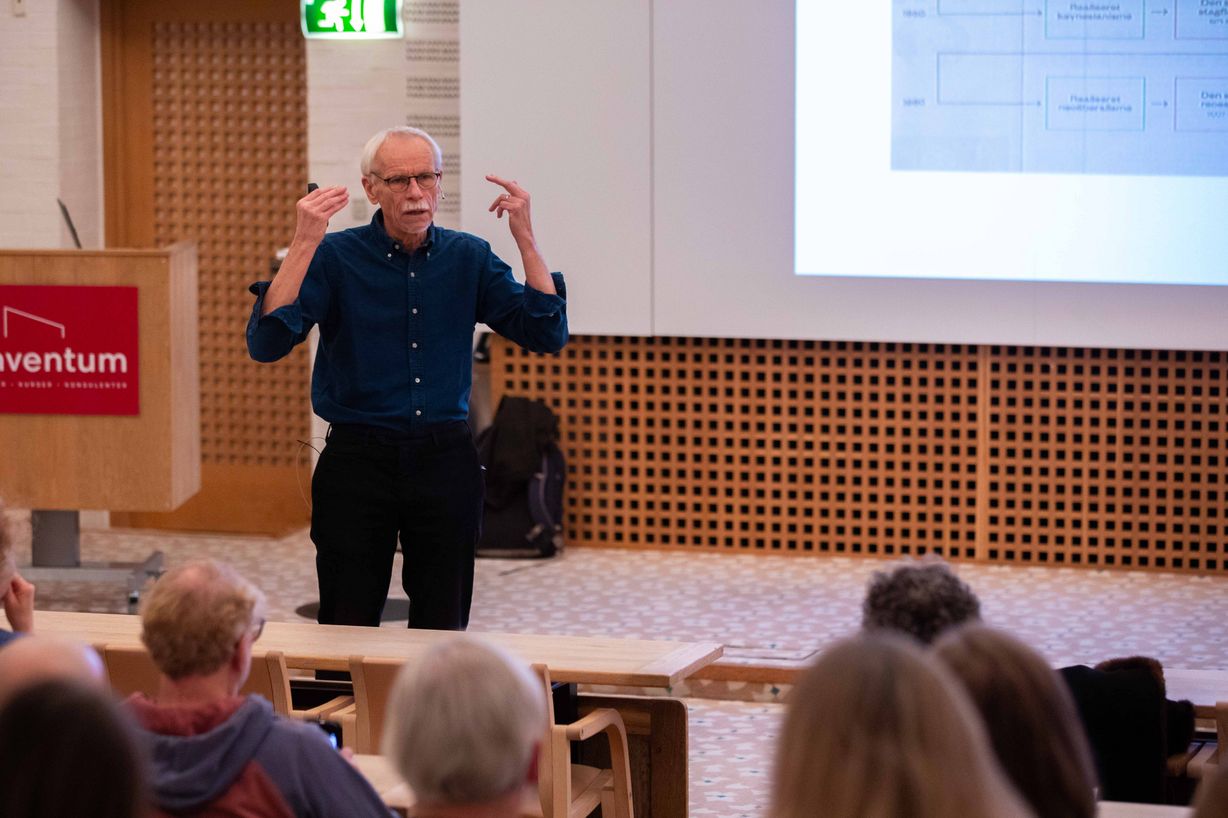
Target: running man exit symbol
column 352, row 19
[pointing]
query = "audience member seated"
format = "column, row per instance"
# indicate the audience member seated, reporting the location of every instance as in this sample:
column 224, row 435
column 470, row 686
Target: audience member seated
column 1211, row 800
column 464, row 728
column 16, row 594
column 214, row 752
column 921, row 598
column 68, row 750
column 44, row 658
column 1030, row 717
column 876, row 728
column 1132, row 726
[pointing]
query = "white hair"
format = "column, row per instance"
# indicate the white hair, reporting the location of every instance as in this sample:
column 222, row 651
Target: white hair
column 376, row 142
column 463, row 723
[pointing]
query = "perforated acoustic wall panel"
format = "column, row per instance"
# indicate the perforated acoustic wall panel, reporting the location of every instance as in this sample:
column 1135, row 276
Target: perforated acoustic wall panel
column 1085, row 457
column 229, row 118
column 1107, row 458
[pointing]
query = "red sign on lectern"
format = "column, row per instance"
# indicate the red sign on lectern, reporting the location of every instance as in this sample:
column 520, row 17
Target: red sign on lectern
column 68, row 350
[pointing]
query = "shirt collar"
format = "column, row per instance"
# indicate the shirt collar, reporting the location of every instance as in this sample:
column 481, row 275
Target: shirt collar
column 388, row 243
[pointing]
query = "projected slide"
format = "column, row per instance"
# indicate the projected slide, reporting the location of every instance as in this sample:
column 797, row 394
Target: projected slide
column 1135, row 87
column 1013, row 140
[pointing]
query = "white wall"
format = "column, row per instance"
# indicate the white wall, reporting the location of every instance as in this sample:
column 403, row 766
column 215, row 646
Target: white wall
column 558, row 97
column 29, row 138
column 80, row 120
column 50, row 142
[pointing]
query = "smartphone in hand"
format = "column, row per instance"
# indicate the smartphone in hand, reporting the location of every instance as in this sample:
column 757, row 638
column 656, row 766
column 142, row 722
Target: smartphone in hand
column 332, row 730
column 312, row 186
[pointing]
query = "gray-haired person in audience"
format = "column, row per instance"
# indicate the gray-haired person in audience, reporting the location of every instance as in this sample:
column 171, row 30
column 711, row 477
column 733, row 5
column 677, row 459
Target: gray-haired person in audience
column 16, row 594
column 921, row 598
column 1031, row 718
column 213, row 751
column 464, row 729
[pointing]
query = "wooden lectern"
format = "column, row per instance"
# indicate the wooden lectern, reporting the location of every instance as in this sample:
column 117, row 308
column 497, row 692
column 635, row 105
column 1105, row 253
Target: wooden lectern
column 147, row 461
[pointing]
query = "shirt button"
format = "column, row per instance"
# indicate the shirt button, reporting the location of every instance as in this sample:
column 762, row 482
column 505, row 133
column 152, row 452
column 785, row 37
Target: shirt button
column 411, row 275
column 415, row 310
column 414, row 344
column 417, row 380
column 417, row 411
column 390, row 255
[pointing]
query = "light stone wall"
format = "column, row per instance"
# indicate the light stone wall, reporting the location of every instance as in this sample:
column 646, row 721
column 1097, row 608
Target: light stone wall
column 29, row 136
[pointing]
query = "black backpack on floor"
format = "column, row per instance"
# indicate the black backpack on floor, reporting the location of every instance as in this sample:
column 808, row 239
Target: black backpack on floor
column 525, row 474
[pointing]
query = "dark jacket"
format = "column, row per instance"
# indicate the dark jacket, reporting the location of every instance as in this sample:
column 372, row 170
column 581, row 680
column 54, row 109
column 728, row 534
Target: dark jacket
column 1122, row 711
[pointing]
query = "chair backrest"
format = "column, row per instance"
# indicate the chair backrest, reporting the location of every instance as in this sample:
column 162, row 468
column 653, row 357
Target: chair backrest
column 1221, row 731
column 546, row 768
column 130, row 670
column 373, row 680
column 270, row 679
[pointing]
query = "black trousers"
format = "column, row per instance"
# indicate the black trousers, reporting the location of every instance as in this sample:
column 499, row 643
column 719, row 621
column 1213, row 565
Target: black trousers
column 372, row 486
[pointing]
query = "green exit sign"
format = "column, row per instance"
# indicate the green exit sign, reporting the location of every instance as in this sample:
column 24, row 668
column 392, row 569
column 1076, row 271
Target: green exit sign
column 352, row 19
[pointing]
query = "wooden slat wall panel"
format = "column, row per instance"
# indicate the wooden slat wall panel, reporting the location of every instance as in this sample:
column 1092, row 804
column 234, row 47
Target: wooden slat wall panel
column 205, row 140
column 229, row 118
column 1020, row 455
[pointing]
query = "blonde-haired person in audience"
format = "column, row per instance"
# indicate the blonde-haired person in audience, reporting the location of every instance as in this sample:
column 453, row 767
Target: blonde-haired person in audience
column 464, row 729
column 1030, row 716
column 877, row 729
column 16, row 594
column 213, row 751
column 1211, row 800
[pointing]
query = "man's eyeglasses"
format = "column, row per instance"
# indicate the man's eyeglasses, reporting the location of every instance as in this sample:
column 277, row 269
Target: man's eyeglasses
column 257, row 630
column 400, row 184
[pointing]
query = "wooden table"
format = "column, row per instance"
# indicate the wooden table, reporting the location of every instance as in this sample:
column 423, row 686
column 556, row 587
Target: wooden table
column 1202, row 687
column 386, row 782
column 657, row 727
column 579, row 659
column 1122, row 809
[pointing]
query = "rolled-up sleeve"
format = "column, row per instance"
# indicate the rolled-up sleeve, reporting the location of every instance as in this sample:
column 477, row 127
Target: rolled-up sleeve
column 271, row 337
column 535, row 320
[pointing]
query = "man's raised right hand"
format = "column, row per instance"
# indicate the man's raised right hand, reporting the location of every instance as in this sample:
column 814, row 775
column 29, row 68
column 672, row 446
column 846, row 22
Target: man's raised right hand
column 315, row 209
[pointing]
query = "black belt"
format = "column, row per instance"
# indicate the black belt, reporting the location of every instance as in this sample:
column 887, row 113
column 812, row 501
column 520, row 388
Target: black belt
column 364, row 433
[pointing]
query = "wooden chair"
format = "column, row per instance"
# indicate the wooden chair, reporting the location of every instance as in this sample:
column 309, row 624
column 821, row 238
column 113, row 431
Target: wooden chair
column 132, row 670
column 1221, row 733
column 270, row 678
column 571, row 790
column 362, row 724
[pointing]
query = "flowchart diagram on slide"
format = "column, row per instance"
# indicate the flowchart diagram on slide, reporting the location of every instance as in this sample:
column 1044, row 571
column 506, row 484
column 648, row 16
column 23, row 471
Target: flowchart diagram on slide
column 1134, row 87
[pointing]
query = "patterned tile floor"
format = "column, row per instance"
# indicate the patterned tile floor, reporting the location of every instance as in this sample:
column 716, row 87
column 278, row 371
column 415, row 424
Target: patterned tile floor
column 763, row 608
